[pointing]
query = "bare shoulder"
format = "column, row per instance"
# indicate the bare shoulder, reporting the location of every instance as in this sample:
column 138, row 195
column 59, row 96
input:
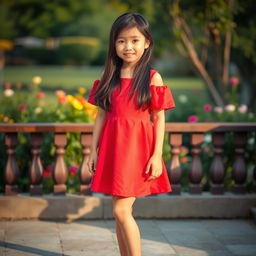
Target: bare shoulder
column 157, row 80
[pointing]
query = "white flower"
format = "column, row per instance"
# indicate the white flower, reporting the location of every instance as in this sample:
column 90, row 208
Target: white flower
column 251, row 141
column 208, row 138
column 251, row 115
column 230, row 107
column 8, row 92
column 38, row 110
column 183, row 98
column 242, row 108
column 218, row 109
column 36, row 80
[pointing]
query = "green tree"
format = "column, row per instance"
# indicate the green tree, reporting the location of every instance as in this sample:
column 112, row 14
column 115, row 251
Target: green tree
column 211, row 34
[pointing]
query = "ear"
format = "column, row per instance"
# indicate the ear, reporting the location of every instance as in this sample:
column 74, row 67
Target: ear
column 147, row 44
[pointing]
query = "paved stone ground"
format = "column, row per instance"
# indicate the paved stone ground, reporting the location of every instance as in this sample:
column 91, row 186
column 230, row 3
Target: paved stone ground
column 159, row 238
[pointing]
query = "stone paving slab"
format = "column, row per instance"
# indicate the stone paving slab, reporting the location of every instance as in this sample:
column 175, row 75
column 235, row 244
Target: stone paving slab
column 187, row 237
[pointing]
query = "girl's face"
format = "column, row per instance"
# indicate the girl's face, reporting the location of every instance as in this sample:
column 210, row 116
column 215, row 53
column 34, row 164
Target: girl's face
column 130, row 45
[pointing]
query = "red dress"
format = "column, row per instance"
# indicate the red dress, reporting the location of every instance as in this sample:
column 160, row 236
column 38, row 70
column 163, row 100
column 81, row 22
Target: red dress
column 126, row 144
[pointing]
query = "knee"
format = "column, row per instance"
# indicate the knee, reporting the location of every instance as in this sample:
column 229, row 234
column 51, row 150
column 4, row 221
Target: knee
column 121, row 213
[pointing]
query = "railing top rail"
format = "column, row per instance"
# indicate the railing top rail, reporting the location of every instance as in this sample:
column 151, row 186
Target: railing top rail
column 176, row 127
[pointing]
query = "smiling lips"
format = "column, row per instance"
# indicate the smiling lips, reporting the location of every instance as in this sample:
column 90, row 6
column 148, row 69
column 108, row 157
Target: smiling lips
column 128, row 54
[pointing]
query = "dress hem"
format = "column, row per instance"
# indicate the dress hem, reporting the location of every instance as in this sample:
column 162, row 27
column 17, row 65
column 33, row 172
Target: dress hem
column 132, row 195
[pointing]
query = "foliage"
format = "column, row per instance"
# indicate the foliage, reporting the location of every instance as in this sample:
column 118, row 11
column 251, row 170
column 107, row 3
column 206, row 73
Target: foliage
column 31, row 107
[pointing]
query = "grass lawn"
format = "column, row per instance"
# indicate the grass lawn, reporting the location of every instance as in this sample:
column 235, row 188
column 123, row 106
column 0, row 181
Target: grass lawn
column 70, row 78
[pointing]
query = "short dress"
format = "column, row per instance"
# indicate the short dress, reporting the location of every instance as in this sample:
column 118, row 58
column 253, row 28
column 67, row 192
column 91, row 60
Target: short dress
column 126, row 143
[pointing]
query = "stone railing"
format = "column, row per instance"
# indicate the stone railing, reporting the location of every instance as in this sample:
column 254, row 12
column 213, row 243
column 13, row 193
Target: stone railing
column 175, row 131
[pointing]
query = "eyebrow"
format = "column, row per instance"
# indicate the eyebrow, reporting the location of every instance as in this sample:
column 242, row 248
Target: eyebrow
column 127, row 37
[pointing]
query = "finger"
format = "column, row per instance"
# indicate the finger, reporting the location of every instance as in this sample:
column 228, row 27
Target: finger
column 148, row 168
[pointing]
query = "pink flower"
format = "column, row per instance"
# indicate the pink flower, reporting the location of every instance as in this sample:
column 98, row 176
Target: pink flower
column 73, row 169
column 218, row 109
column 40, row 95
column 192, row 119
column 207, row 108
column 234, row 81
column 242, row 108
column 50, row 167
column 230, row 107
column 22, row 107
column 207, row 149
column 60, row 93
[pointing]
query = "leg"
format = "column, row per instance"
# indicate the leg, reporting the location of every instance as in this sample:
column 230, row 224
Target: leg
column 127, row 230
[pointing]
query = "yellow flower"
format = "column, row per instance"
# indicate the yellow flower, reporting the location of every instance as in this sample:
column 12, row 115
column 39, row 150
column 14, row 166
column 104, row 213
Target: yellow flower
column 36, row 80
column 38, row 110
column 89, row 105
column 70, row 98
column 76, row 104
column 82, row 90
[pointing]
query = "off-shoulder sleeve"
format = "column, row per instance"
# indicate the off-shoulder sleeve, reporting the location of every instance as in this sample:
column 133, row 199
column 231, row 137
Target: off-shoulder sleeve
column 92, row 92
column 162, row 98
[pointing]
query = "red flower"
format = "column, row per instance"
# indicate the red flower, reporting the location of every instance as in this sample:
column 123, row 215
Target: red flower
column 22, row 107
column 62, row 100
column 7, row 85
column 47, row 173
column 40, row 95
column 73, row 169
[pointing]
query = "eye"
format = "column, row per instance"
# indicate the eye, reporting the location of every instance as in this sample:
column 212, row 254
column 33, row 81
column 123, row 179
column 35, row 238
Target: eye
column 120, row 41
column 136, row 40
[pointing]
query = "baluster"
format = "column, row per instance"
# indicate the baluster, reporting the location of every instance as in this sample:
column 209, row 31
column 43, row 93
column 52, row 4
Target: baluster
column 174, row 170
column 217, row 167
column 84, row 173
column 60, row 170
column 12, row 171
column 254, row 170
column 239, row 172
column 254, row 185
column 195, row 170
column 36, row 170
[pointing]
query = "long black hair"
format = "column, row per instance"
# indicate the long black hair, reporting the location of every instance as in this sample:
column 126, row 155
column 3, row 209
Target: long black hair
column 111, row 74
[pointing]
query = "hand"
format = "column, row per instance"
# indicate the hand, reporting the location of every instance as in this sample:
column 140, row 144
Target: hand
column 91, row 163
column 155, row 162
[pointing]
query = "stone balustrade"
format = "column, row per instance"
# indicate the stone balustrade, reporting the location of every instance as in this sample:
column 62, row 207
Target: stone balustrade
column 176, row 132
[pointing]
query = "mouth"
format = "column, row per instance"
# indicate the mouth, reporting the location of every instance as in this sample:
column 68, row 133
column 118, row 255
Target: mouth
column 128, row 54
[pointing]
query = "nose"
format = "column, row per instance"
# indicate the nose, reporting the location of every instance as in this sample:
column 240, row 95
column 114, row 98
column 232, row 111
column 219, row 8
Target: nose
column 128, row 46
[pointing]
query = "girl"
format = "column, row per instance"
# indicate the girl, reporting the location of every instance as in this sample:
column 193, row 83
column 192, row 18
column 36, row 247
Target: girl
column 126, row 149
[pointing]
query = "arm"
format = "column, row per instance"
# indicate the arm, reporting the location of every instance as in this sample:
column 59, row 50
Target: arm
column 158, row 118
column 100, row 118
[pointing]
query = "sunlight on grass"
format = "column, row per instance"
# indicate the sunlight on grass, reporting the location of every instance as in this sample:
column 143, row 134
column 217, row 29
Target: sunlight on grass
column 70, row 78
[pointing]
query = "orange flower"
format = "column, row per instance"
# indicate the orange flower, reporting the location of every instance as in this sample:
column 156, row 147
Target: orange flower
column 183, row 159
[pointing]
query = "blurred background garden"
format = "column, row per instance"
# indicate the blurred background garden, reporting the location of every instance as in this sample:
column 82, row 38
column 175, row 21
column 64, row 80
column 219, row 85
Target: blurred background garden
column 52, row 51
